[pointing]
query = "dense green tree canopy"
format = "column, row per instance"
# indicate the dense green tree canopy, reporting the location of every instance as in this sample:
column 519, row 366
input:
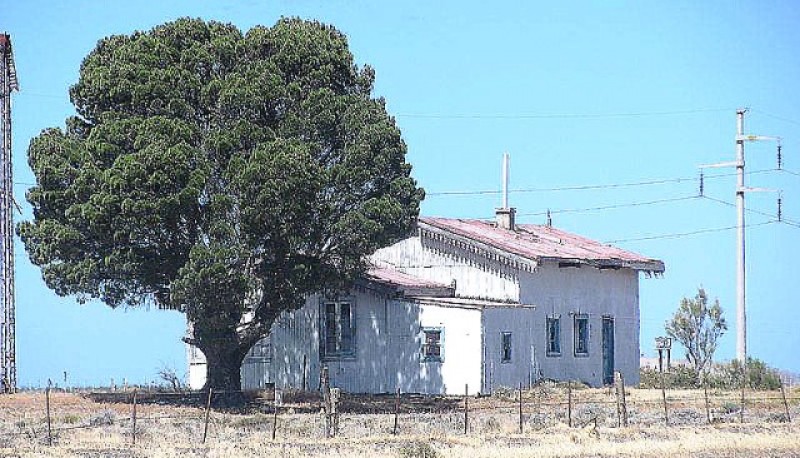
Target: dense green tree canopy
column 218, row 173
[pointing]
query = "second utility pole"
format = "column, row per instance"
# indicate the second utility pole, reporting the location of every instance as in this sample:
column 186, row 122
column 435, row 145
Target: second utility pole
column 741, row 189
column 741, row 315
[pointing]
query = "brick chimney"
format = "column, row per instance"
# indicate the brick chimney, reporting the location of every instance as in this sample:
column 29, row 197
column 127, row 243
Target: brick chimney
column 504, row 217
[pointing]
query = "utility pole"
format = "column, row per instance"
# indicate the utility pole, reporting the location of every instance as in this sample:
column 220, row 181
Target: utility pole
column 741, row 315
column 8, row 83
column 741, row 189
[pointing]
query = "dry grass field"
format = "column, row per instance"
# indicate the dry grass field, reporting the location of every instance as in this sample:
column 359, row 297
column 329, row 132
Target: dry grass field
column 428, row 427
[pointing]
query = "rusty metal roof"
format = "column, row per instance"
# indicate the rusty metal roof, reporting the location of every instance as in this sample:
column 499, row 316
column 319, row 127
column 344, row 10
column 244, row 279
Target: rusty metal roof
column 407, row 284
column 540, row 243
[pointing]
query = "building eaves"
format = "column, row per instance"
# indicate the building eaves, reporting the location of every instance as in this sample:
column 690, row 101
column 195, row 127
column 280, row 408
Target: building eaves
column 529, row 245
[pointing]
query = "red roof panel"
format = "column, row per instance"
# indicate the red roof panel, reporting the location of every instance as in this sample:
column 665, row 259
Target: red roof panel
column 538, row 242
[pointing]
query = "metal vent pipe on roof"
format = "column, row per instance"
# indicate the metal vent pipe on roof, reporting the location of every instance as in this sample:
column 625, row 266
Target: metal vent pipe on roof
column 504, row 216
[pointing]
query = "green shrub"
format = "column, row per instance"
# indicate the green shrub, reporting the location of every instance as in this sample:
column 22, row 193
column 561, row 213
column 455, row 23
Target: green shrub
column 758, row 375
column 730, row 407
column 71, row 418
column 418, row 450
column 676, row 377
column 725, row 376
column 649, row 378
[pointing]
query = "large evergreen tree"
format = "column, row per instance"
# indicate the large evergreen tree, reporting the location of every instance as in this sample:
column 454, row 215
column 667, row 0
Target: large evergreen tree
column 223, row 174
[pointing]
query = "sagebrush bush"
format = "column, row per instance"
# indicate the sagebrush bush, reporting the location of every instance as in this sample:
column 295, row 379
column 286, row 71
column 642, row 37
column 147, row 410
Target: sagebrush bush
column 676, row 377
column 758, row 375
column 418, row 450
column 725, row 376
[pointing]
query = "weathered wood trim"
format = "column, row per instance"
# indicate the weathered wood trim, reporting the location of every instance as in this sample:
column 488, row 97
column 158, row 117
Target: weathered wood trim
column 489, row 253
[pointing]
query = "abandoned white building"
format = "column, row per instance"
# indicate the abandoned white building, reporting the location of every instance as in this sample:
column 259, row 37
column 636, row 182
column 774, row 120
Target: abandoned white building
column 464, row 303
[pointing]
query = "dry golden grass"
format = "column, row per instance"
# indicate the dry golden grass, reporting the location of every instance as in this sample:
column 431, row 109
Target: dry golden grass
column 168, row 431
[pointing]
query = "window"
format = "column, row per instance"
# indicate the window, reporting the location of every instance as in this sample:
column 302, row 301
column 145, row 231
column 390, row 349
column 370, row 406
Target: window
column 261, row 350
column 505, row 347
column 432, row 344
column 339, row 338
column 581, row 333
column 554, row 335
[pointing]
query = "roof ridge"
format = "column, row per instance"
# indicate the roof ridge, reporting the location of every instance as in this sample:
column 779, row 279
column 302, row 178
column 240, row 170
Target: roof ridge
column 537, row 242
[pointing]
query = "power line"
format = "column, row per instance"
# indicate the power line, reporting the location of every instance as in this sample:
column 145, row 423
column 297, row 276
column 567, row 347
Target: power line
column 686, row 234
column 64, row 96
column 774, row 116
column 592, row 186
column 559, row 115
column 790, row 222
column 611, row 207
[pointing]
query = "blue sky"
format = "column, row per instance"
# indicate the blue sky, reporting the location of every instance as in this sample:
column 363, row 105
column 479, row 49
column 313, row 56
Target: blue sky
column 579, row 93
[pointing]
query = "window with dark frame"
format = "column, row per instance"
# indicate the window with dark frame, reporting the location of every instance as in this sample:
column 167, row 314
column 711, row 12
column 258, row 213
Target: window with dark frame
column 432, row 344
column 505, row 351
column 339, row 330
column 581, row 333
column 261, row 349
column 554, row 336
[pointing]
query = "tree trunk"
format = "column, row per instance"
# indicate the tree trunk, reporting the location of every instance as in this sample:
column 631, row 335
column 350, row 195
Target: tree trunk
column 223, row 365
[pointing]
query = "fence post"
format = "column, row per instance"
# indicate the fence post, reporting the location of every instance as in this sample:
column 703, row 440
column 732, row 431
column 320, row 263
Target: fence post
column 396, row 411
column 133, row 419
column 208, row 411
column 47, row 408
column 274, row 415
column 664, row 398
column 569, row 403
column 520, row 408
column 705, row 395
column 336, row 394
column 538, row 399
column 466, row 409
column 744, row 381
column 624, row 400
column 617, row 399
column 785, row 404
column 326, row 399
column 305, row 372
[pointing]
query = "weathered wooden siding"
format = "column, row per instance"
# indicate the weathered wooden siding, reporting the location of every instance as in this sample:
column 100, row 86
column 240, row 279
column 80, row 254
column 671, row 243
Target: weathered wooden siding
column 474, row 277
column 596, row 293
column 521, row 322
column 389, row 336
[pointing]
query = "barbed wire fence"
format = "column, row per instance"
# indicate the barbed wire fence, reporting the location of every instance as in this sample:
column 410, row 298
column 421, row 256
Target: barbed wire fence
column 291, row 414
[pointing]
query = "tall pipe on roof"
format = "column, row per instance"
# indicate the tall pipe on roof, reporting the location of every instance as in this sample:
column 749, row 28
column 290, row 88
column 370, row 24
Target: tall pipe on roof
column 504, row 216
column 505, row 180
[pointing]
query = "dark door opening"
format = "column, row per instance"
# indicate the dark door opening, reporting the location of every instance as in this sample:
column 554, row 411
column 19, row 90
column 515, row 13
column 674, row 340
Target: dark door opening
column 608, row 350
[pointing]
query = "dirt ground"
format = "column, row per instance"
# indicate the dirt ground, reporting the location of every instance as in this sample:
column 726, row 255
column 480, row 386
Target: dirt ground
column 427, row 427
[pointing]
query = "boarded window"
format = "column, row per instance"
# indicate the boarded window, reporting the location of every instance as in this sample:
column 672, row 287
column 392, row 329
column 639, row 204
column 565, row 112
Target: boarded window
column 505, row 347
column 553, row 335
column 339, row 329
column 581, row 333
column 432, row 344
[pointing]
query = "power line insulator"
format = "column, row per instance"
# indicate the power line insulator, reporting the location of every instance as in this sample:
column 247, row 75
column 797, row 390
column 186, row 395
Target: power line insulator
column 780, row 159
column 780, row 202
column 702, row 183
